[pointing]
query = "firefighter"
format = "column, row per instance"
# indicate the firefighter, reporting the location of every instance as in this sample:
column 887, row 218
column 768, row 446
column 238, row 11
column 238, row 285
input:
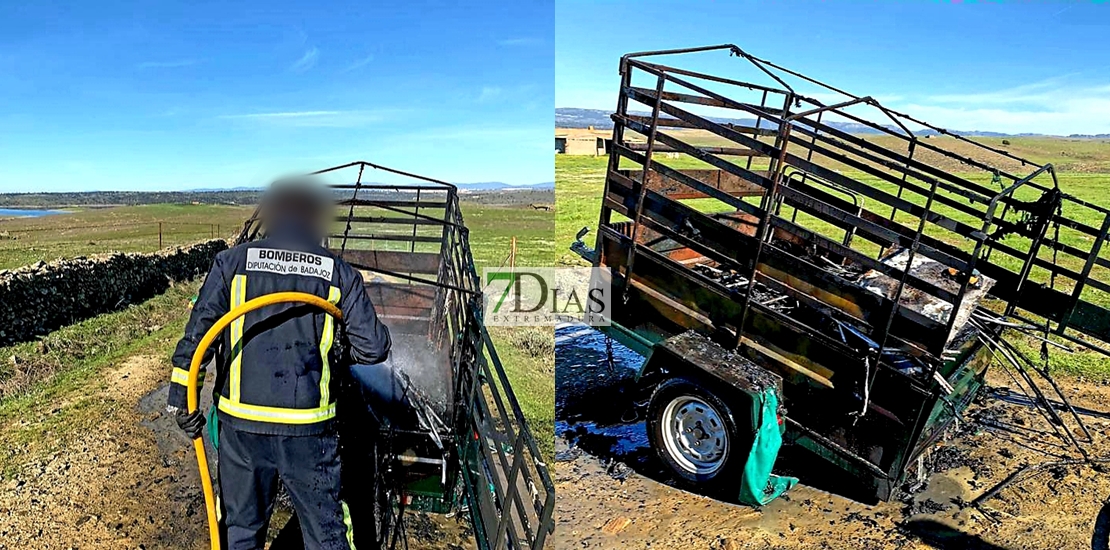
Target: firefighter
column 276, row 371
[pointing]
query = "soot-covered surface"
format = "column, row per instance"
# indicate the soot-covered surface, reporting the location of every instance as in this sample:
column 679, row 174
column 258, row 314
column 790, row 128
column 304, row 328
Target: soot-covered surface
column 614, row 494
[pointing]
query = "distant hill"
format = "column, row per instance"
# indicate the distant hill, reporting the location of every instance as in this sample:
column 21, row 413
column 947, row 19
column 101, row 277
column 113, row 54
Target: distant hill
column 498, row 186
column 498, row 193
column 479, row 186
column 571, row 117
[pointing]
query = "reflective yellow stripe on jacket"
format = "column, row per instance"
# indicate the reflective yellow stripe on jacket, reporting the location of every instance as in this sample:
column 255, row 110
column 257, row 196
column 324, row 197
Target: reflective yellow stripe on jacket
column 277, row 415
column 181, row 376
column 234, row 405
column 326, row 341
column 238, row 298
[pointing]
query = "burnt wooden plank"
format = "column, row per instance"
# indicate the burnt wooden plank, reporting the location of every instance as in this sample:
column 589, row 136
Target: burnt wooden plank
column 717, row 179
column 415, row 296
column 425, row 263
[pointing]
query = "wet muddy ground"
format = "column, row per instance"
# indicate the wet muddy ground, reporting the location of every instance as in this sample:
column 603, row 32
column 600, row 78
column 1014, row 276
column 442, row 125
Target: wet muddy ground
column 614, row 493
column 132, row 482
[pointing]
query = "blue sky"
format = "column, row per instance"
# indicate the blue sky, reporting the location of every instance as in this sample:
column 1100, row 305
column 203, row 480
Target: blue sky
column 1001, row 66
column 179, row 95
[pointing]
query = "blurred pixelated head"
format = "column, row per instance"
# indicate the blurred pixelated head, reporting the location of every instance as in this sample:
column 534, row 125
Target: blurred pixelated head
column 298, row 203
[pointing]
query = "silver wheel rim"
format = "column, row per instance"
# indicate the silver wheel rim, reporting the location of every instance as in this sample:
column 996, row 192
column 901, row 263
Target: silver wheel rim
column 694, row 435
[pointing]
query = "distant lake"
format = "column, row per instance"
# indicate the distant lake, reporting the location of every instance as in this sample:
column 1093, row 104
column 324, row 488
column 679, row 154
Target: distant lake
column 27, row 212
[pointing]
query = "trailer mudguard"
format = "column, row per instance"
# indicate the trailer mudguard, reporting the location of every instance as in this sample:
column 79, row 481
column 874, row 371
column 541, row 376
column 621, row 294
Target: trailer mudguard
column 758, row 486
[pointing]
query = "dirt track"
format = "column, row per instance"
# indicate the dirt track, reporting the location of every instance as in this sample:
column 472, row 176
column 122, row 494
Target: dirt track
column 613, row 493
column 132, row 483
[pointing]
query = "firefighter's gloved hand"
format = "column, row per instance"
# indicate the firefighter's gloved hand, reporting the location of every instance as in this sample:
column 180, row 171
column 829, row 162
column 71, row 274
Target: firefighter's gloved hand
column 191, row 423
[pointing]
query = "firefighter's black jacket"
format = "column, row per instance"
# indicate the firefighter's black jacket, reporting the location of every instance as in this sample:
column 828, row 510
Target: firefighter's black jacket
column 276, row 365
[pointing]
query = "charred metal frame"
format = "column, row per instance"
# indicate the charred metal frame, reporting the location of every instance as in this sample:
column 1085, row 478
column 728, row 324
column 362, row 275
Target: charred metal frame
column 412, row 242
column 659, row 286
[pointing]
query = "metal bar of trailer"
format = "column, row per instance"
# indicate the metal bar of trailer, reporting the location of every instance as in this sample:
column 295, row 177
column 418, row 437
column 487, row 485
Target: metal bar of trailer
column 1091, row 230
column 503, row 378
column 644, row 174
column 815, row 134
column 649, row 67
column 777, row 167
column 721, row 101
column 795, row 229
column 1035, row 246
column 512, row 494
column 1001, row 224
column 388, row 237
column 675, row 51
column 415, row 219
column 722, row 80
column 834, row 134
column 758, row 122
column 503, row 525
column 711, row 98
column 390, row 220
column 849, row 230
column 896, row 299
column 387, row 204
column 662, row 136
column 502, row 505
column 730, row 151
column 668, row 122
column 545, row 511
column 419, row 280
column 820, row 109
column 1077, row 291
column 384, row 169
column 807, row 166
column 889, row 112
column 844, row 157
column 351, row 213
column 861, row 223
column 938, row 219
column 391, row 187
column 604, row 216
column 725, row 294
column 820, row 240
column 959, row 228
column 965, row 277
column 721, row 257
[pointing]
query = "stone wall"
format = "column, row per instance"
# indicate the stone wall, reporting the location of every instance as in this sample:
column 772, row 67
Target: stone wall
column 37, row 299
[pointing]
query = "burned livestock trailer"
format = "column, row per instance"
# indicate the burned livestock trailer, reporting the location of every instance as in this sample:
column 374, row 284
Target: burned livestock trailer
column 747, row 232
column 442, row 431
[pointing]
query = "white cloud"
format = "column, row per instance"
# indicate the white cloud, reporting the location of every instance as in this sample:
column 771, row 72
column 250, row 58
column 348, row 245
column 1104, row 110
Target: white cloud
column 360, row 63
column 314, row 119
column 167, row 64
column 1051, row 106
column 520, row 41
column 490, row 93
column 307, row 61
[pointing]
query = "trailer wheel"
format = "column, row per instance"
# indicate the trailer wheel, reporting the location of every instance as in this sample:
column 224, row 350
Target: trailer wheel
column 693, row 432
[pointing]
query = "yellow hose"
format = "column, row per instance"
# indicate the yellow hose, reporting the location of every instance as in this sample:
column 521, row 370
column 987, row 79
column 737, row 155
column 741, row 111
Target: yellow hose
column 194, row 373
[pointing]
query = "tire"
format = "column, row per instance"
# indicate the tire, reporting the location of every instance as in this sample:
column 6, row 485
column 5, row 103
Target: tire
column 694, row 434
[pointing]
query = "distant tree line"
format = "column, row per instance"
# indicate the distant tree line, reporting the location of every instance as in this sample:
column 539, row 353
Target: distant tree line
column 238, row 197
column 126, row 198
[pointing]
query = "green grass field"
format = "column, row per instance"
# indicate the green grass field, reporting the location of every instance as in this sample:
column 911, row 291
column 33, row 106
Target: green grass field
column 62, row 367
column 122, row 229
column 580, row 181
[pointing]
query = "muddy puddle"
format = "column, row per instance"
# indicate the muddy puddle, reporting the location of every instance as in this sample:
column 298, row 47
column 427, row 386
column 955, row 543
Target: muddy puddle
column 614, row 493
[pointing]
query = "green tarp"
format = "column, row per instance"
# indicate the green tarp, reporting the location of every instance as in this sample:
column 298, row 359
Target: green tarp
column 758, row 485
